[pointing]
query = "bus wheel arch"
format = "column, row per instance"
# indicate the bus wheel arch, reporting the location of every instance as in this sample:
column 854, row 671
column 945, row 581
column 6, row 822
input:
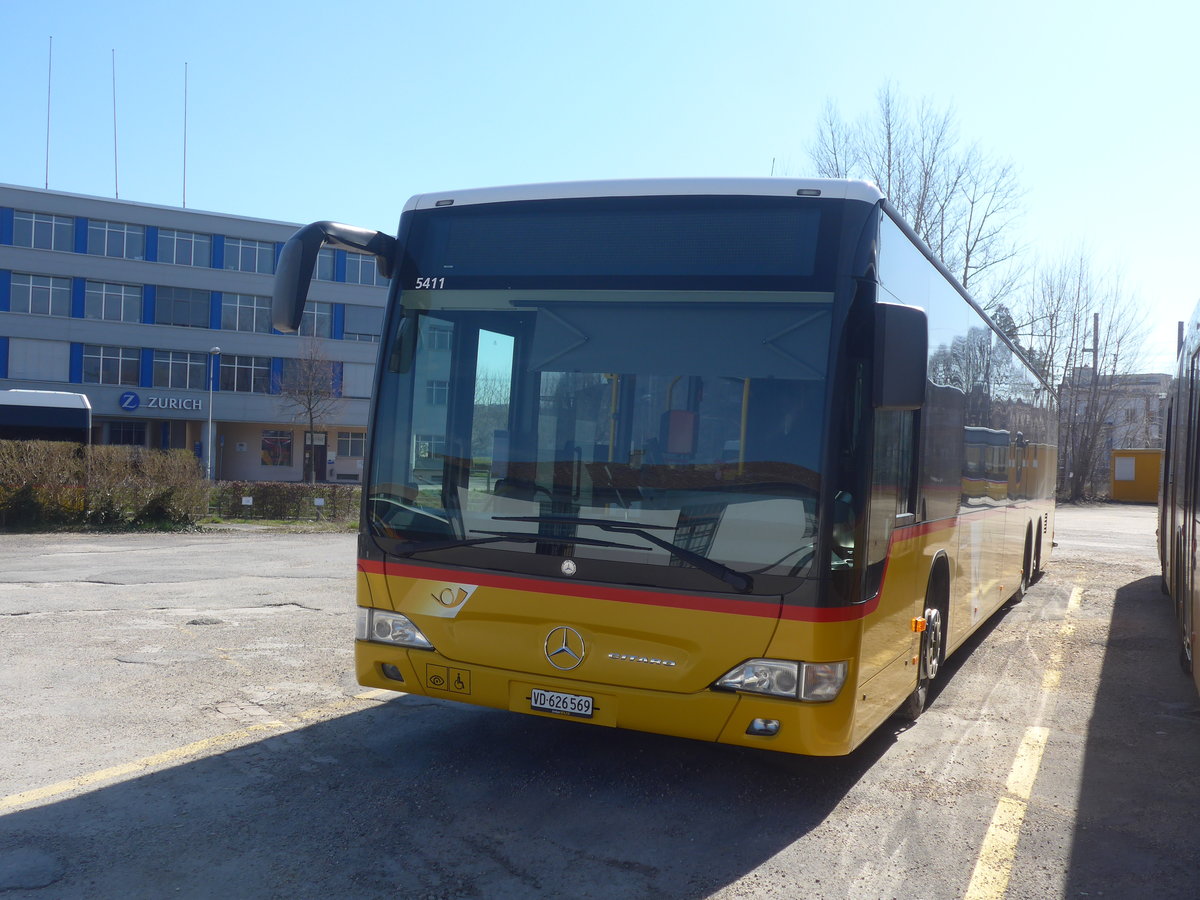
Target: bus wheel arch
column 932, row 653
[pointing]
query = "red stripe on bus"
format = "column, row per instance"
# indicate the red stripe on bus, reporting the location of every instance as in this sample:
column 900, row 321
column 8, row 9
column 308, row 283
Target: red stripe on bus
column 763, row 608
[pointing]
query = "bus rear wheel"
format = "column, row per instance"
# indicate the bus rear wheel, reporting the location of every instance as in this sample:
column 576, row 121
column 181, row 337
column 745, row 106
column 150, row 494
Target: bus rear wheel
column 932, row 655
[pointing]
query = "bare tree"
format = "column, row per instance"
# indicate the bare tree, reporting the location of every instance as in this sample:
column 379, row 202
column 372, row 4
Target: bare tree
column 1086, row 335
column 309, row 391
column 958, row 199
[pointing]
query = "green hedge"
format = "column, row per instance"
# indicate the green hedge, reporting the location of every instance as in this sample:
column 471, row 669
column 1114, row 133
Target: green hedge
column 50, row 484
column 286, row 500
column 46, row 484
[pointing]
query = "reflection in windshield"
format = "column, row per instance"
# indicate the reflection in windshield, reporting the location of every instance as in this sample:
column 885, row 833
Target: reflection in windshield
column 658, row 434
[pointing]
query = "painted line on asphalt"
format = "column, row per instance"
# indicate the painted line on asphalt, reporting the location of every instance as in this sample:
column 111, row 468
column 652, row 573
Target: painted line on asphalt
column 187, row 751
column 993, row 867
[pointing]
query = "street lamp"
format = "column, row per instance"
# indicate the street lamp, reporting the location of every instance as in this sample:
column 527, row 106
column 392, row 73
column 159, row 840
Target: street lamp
column 213, row 353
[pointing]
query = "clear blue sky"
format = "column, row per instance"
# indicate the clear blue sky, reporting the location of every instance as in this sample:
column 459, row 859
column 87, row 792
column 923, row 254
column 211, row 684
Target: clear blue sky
column 302, row 110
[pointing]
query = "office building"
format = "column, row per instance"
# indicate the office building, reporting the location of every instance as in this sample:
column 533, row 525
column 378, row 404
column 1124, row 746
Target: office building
column 129, row 303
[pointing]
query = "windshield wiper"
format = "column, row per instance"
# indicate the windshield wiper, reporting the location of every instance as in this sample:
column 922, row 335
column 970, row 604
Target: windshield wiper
column 519, row 537
column 739, row 581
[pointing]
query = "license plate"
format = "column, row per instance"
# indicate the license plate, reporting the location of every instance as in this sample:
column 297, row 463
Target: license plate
column 563, row 704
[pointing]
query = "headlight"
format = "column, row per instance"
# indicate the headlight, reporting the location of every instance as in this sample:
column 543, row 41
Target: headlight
column 389, row 628
column 813, row 682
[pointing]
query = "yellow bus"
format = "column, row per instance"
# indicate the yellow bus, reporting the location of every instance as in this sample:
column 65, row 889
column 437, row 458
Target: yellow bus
column 694, row 457
column 1179, row 497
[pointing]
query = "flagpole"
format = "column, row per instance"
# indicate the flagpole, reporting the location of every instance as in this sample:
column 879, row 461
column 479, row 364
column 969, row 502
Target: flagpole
column 49, row 72
column 185, row 99
column 116, row 183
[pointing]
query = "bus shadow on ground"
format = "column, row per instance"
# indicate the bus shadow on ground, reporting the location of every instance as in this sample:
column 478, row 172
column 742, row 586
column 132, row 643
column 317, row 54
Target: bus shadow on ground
column 420, row 798
column 1139, row 794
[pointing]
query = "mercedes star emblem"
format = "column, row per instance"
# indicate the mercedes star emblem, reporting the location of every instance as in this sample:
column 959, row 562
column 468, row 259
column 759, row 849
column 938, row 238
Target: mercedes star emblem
column 564, row 648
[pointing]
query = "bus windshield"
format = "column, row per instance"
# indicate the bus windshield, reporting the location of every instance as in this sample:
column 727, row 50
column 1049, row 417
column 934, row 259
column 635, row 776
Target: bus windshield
column 636, row 385
column 575, row 426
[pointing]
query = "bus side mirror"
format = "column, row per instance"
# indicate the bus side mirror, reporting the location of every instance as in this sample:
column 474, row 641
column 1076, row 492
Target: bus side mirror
column 901, row 354
column 293, row 274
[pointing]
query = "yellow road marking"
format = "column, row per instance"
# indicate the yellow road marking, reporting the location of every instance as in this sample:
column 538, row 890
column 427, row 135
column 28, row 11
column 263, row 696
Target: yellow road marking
column 989, row 880
column 177, row 754
column 993, row 867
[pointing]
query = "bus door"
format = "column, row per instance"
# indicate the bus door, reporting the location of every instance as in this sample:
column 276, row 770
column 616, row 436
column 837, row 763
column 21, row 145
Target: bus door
column 894, row 576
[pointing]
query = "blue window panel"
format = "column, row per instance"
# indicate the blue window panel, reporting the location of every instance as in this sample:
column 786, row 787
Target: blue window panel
column 81, row 235
column 338, row 369
column 276, row 374
column 149, row 297
column 3, row 357
column 218, row 252
column 5, row 290
column 214, row 372
column 151, row 243
column 164, row 435
column 214, row 310
column 146, row 369
column 76, row 373
column 278, row 251
column 339, row 265
column 337, row 328
column 78, row 292
column 6, row 225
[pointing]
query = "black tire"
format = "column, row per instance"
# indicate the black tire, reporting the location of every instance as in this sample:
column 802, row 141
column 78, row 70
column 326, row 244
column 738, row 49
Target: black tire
column 1026, row 570
column 932, row 656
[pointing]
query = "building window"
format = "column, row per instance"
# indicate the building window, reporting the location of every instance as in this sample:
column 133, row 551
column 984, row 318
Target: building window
column 363, row 323
column 361, row 269
column 325, row 264
column 110, row 365
column 246, row 374
column 116, row 239
column 113, row 302
column 41, row 295
column 181, row 306
column 246, row 312
column 430, row 446
column 43, row 232
column 352, row 443
column 184, row 248
column 276, row 447
column 129, row 433
column 307, row 376
column 436, row 337
column 317, row 320
column 437, row 392
column 244, row 255
column 180, row 369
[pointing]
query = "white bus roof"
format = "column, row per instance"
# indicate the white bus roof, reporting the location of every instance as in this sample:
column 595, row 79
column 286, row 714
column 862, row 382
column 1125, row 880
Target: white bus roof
column 837, row 188
column 56, row 399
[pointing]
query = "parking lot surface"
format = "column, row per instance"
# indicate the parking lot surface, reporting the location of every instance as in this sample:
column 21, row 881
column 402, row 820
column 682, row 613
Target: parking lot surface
column 180, row 718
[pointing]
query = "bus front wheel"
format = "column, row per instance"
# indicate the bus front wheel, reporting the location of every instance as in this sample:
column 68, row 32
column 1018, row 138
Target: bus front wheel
column 932, row 655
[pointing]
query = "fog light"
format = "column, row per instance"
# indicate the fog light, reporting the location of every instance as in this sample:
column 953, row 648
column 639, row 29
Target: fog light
column 763, row 727
column 391, row 672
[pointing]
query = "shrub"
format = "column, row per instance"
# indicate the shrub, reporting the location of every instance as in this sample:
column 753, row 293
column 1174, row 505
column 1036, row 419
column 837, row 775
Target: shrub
column 48, row 483
column 286, row 500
